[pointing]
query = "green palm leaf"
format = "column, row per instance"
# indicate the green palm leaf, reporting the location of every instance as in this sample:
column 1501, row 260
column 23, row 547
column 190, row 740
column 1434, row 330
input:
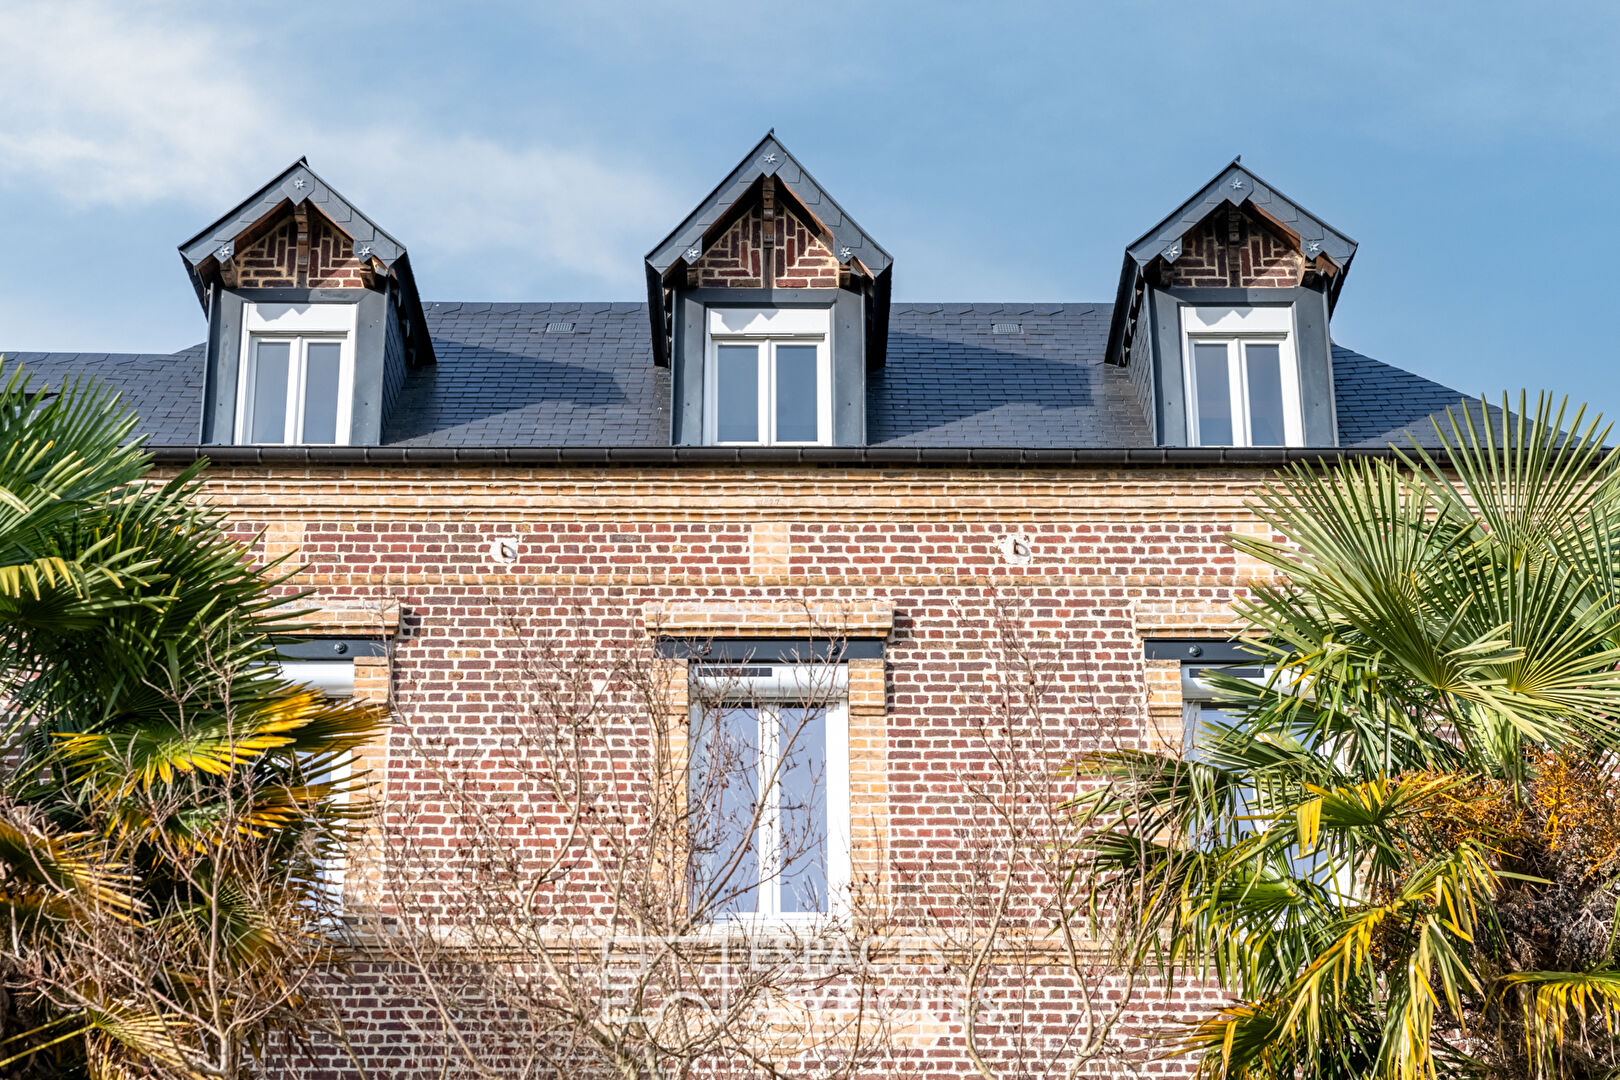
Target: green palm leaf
column 1371, row 855
column 169, row 790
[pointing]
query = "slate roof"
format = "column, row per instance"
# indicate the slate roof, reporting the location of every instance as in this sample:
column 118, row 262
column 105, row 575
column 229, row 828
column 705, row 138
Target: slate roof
column 502, row 380
column 1379, row 403
column 164, row 389
column 950, row 380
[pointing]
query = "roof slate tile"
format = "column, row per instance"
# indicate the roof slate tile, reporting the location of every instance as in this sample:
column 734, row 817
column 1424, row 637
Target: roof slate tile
column 501, row 381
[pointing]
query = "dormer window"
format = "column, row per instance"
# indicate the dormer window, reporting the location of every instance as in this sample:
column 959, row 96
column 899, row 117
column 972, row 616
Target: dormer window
column 768, row 377
column 297, row 377
column 770, row 305
column 1242, row 377
column 313, row 318
column 1222, row 319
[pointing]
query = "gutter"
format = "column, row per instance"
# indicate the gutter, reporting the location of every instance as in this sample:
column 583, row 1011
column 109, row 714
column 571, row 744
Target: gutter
column 757, row 456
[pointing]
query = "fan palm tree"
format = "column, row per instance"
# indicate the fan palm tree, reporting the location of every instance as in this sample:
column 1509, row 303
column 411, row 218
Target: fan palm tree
column 1401, row 855
column 167, row 808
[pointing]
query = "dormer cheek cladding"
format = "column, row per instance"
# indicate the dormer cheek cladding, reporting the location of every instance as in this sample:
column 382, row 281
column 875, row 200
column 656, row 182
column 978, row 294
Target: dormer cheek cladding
column 841, row 311
column 375, row 359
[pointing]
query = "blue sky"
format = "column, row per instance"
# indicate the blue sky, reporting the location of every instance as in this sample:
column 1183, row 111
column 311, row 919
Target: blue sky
column 999, row 151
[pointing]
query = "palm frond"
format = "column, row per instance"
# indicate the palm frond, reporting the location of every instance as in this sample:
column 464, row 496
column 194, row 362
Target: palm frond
column 1559, row 1005
column 1365, row 852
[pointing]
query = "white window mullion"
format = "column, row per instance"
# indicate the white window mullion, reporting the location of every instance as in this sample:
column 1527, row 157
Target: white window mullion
column 770, row 838
column 335, row 681
column 1237, row 330
column 787, row 688
column 835, row 767
column 1235, row 387
column 770, row 331
column 824, row 392
column 767, row 392
column 295, row 391
column 1201, row 708
column 1293, row 396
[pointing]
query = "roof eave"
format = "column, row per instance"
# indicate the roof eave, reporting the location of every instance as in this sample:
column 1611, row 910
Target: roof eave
column 1114, row 351
column 756, row 456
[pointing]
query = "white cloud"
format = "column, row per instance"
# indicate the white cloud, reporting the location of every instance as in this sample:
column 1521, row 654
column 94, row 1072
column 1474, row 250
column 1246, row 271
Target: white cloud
column 468, row 195
column 123, row 105
column 137, row 103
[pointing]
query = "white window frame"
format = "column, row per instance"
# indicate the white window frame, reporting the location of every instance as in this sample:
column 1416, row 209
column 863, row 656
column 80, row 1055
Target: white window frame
column 334, row 679
column 334, row 872
column 1197, row 695
column 1237, row 328
column 824, row 685
column 298, row 324
column 768, row 328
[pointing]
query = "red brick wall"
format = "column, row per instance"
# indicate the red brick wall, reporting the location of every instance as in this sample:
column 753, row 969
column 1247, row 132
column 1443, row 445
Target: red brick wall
column 1260, row 257
column 332, row 264
column 800, row 260
column 926, row 1049
column 1114, row 556
column 272, row 260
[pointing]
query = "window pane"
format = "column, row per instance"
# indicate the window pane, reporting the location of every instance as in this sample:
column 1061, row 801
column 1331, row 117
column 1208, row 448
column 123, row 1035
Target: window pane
column 803, row 808
column 725, row 793
column 1204, row 725
column 737, row 393
column 1201, row 722
column 316, row 767
column 797, row 404
column 321, row 392
column 268, row 424
column 1265, row 394
column 1243, row 814
column 1214, row 393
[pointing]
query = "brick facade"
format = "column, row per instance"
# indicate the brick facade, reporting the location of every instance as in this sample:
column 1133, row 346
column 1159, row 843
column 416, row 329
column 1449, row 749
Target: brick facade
column 271, row 260
column 1235, row 248
column 299, row 249
column 332, row 264
column 800, row 258
column 1000, row 613
column 912, row 556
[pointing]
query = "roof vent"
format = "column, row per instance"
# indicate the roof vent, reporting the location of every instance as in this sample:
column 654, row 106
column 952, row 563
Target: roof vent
column 1006, row 328
column 559, row 328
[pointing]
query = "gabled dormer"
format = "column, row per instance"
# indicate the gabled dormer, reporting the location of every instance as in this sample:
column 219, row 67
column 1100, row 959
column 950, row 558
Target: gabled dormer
column 313, row 318
column 770, row 305
column 1222, row 318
